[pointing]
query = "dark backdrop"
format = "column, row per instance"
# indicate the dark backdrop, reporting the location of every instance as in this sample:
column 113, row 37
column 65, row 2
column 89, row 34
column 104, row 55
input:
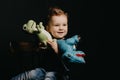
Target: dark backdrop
column 85, row 18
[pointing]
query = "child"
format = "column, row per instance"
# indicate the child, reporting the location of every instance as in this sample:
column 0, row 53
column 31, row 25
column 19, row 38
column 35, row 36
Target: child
column 57, row 26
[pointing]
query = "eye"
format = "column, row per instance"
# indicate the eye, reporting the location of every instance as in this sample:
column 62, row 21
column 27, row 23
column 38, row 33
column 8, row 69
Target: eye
column 57, row 25
column 64, row 24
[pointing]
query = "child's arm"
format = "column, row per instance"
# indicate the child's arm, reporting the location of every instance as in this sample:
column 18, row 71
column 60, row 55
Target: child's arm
column 54, row 45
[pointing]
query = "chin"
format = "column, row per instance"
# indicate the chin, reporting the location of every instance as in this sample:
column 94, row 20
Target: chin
column 60, row 37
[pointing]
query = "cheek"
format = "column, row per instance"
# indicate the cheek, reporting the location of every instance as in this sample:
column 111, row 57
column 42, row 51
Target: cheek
column 66, row 29
column 52, row 31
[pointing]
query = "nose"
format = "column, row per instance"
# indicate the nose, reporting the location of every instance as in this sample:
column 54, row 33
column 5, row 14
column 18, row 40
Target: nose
column 60, row 27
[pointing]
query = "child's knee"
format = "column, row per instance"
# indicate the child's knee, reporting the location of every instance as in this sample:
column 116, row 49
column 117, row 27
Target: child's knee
column 37, row 73
column 50, row 76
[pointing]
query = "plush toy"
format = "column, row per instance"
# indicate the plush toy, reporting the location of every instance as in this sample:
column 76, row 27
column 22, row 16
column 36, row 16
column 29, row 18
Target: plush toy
column 39, row 30
column 67, row 47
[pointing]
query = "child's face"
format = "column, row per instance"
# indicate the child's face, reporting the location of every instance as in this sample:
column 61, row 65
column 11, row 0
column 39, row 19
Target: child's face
column 58, row 26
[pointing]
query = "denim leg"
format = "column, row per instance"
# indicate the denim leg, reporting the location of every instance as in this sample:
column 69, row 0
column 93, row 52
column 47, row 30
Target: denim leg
column 36, row 74
column 50, row 76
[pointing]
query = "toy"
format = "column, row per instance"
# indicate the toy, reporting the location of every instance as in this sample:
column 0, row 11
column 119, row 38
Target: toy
column 67, row 47
column 39, row 30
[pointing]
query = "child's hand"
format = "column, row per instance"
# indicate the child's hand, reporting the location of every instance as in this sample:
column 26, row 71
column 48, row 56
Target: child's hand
column 53, row 44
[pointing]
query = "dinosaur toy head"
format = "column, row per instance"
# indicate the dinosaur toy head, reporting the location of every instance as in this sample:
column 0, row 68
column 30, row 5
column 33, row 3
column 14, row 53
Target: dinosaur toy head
column 30, row 26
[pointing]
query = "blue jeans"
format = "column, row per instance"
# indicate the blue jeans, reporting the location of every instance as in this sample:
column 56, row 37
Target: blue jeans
column 36, row 74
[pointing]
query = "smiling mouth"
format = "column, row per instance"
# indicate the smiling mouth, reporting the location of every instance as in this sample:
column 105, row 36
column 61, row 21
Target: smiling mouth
column 60, row 32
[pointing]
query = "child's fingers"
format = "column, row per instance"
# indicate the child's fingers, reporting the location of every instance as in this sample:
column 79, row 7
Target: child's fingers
column 49, row 41
column 54, row 40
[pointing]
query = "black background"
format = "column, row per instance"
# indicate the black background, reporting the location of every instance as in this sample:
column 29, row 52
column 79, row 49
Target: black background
column 85, row 18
